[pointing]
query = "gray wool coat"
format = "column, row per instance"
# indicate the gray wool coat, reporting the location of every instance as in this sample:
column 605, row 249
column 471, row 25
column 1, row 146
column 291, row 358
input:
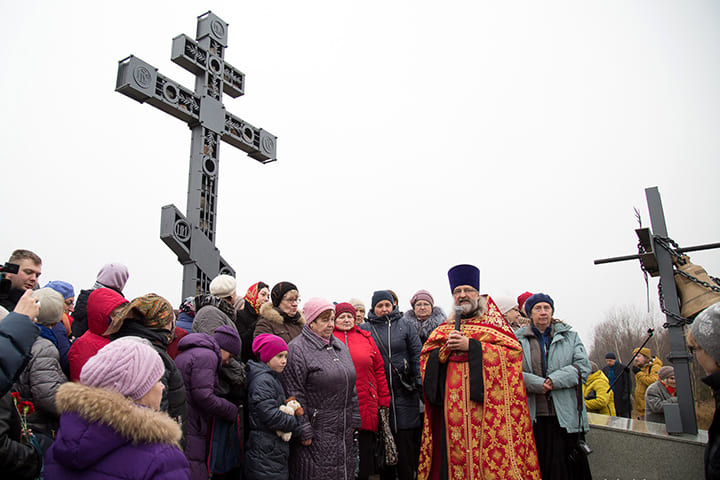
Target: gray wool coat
column 321, row 376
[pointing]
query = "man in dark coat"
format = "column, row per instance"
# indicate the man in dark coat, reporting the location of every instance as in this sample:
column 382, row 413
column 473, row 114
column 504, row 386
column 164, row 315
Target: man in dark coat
column 622, row 387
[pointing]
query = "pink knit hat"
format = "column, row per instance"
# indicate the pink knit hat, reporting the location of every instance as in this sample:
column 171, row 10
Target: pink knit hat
column 314, row 307
column 267, row 345
column 422, row 295
column 113, row 275
column 128, row 365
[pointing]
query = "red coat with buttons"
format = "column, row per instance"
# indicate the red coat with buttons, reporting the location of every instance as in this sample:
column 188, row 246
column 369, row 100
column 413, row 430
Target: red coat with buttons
column 371, row 385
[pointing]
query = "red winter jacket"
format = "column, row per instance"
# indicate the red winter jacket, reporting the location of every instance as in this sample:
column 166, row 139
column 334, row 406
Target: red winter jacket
column 371, row 384
column 100, row 303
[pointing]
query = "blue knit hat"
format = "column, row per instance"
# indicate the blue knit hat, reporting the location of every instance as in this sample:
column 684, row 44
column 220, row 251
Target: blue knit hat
column 464, row 275
column 538, row 298
column 63, row 288
column 379, row 296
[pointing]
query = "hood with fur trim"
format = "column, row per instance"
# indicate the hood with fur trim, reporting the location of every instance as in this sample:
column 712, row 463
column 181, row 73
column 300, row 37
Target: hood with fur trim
column 96, row 422
column 269, row 312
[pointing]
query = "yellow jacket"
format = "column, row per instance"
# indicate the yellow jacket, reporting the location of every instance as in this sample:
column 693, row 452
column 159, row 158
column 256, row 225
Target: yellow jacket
column 643, row 379
column 603, row 402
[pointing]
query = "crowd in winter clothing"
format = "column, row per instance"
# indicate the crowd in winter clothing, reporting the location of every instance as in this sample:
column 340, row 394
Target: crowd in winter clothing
column 254, row 386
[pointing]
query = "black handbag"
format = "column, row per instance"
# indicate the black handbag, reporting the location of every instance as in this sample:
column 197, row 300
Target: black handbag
column 580, row 449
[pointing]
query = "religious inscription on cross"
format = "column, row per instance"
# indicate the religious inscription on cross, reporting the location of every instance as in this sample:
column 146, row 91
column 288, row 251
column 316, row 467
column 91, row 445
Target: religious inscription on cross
column 192, row 237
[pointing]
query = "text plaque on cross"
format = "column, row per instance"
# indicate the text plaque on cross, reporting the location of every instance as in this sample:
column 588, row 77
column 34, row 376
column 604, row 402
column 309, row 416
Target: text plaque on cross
column 192, row 236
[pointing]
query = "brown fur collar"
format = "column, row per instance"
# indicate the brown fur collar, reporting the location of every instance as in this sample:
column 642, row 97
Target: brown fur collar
column 140, row 424
column 269, row 312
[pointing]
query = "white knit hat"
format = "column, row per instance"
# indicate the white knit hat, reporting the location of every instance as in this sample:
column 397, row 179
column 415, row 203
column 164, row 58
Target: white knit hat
column 52, row 306
column 223, row 286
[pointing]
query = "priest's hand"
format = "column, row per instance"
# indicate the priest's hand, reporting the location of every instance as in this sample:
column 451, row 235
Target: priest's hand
column 457, row 341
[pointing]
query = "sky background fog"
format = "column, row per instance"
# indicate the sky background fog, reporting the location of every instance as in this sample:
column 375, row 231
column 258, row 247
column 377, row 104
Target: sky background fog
column 413, row 135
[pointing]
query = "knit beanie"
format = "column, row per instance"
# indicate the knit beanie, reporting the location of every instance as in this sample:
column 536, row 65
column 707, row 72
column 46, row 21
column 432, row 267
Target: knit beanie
column 52, row 306
column 356, row 302
column 113, row 275
column 538, row 298
column 505, row 304
column 279, row 291
column 267, row 345
column 223, row 286
column 228, row 339
column 150, row 310
column 706, row 330
column 379, row 296
column 314, row 307
column 422, row 295
column 610, row 356
column 643, row 351
column 63, row 288
column 522, row 298
column 128, row 365
column 345, row 308
column 666, row 372
column 464, row 275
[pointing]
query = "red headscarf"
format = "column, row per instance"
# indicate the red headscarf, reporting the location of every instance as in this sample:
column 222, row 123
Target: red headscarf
column 252, row 296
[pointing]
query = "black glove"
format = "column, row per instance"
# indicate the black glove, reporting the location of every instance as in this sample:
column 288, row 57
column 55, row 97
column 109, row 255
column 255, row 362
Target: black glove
column 592, row 395
column 635, row 369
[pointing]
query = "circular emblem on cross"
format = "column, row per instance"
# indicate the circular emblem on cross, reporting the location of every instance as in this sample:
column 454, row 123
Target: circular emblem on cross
column 268, row 144
column 142, row 76
column 182, row 230
column 218, row 28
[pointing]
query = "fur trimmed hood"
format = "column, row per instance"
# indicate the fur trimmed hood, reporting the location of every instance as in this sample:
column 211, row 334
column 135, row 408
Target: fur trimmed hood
column 130, row 421
column 269, row 312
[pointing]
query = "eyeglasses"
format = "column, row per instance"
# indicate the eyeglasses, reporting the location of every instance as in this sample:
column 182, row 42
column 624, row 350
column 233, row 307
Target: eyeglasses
column 292, row 300
column 463, row 290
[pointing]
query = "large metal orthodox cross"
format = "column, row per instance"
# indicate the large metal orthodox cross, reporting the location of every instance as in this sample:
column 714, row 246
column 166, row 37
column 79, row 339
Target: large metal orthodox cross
column 192, row 237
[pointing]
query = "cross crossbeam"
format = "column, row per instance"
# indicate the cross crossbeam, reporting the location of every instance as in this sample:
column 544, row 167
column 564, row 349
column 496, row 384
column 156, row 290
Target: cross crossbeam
column 192, row 236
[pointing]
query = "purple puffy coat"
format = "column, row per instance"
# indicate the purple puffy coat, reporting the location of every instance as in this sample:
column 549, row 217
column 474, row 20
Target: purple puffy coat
column 199, row 362
column 104, row 435
column 322, row 378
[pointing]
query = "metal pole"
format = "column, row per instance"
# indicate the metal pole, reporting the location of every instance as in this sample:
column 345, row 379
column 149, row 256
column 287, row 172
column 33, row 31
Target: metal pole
column 679, row 356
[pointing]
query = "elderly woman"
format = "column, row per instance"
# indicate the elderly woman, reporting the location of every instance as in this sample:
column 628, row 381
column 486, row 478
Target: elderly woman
column 110, row 426
column 43, row 376
column 400, row 348
column 660, row 393
column 246, row 318
column 359, row 307
column 425, row 316
column 555, row 365
column 371, row 386
column 321, row 376
column 703, row 340
column 281, row 317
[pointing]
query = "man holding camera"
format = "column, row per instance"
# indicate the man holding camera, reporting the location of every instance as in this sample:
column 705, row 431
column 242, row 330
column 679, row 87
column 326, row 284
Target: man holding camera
column 26, row 278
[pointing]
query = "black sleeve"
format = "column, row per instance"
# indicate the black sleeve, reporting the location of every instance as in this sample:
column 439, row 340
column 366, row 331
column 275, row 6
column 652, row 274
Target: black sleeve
column 434, row 381
column 17, row 460
column 475, row 362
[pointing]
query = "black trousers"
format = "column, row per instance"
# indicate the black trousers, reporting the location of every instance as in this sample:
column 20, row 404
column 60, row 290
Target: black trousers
column 408, row 446
column 554, row 445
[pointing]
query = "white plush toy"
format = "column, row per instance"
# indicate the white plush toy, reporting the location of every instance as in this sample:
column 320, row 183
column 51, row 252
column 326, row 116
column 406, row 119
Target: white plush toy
column 291, row 407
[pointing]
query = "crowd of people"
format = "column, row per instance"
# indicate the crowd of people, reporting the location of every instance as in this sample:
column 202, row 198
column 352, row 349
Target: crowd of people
column 262, row 386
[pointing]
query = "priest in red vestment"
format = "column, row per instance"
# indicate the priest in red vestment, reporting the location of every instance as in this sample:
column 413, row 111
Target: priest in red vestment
column 477, row 424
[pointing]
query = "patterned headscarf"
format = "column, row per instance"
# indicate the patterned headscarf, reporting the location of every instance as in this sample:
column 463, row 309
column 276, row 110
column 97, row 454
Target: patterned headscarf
column 252, row 297
column 188, row 306
column 150, row 310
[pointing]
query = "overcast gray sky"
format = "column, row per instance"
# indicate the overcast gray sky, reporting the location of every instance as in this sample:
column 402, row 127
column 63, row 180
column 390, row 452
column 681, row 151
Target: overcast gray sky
column 413, row 135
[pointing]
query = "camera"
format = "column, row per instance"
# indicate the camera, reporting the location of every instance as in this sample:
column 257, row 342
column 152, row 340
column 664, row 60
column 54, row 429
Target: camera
column 5, row 283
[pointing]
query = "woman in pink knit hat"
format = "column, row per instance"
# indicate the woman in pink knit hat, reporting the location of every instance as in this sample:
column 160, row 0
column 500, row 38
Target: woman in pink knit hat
column 110, row 424
column 321, row 376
